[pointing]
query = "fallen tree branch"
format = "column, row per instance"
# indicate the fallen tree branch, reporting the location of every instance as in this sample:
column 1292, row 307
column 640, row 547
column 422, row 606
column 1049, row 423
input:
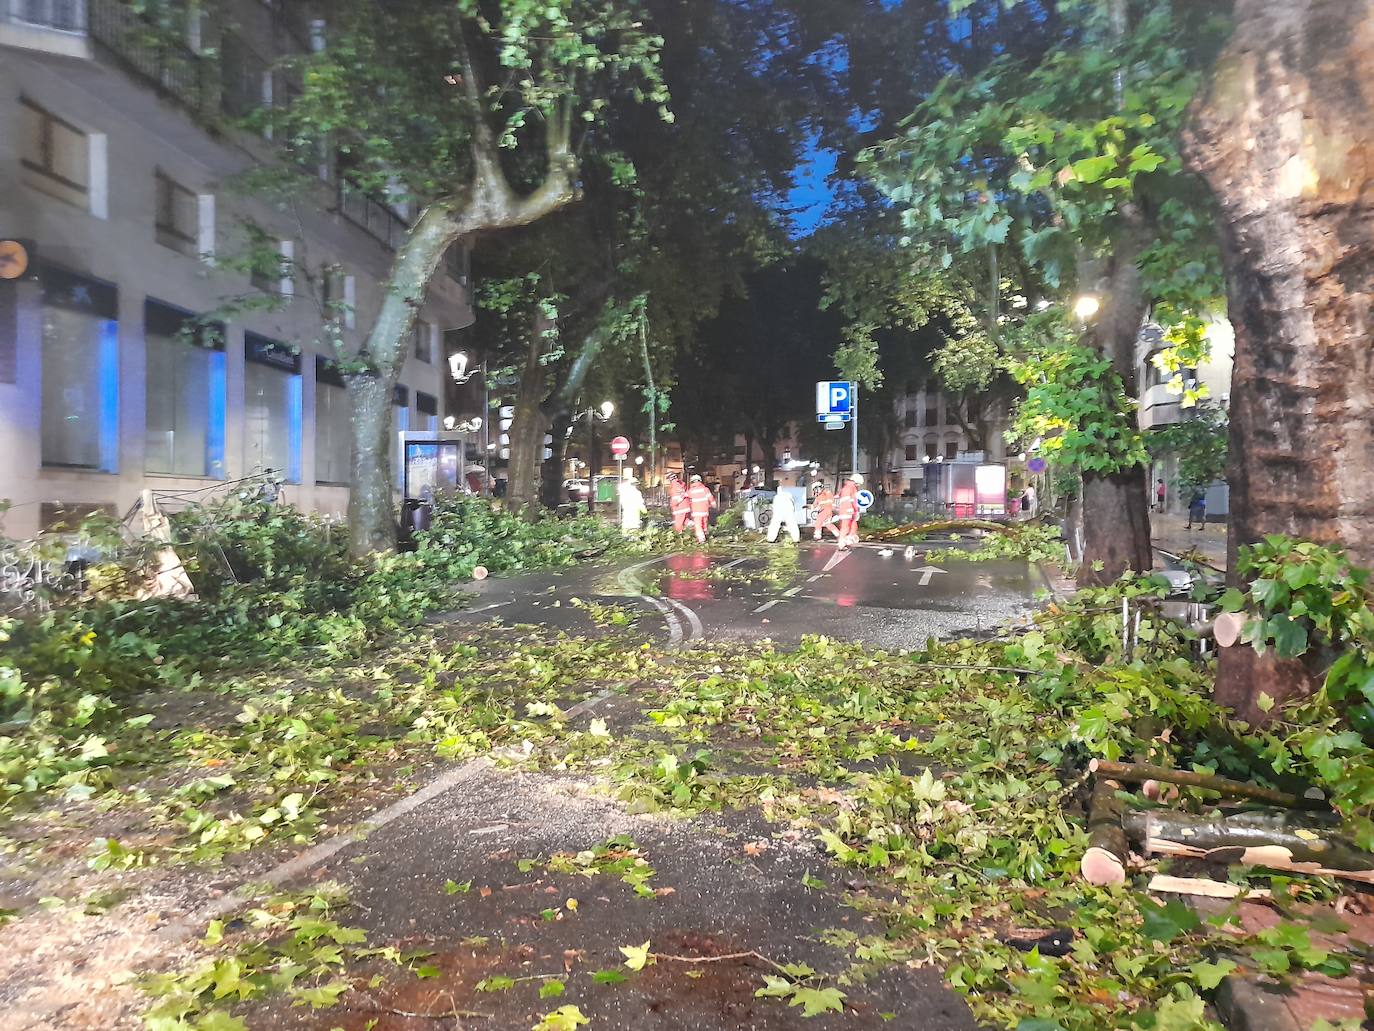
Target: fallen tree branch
column 1139, row 772
column 751, row 954
column 1279, row 841
column 939, row 526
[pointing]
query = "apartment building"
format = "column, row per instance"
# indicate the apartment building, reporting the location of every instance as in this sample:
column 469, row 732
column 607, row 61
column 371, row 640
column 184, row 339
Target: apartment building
column 120, row 174
column 931, row 430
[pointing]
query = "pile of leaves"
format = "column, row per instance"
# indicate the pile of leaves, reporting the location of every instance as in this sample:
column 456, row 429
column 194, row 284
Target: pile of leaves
column 1029, row 541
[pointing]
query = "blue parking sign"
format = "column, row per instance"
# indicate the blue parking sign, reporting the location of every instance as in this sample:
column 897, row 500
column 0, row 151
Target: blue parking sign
column 834, row 399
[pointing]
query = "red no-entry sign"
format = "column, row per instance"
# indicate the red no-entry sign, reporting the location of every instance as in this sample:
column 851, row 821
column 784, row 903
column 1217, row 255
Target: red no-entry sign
column 620, row 447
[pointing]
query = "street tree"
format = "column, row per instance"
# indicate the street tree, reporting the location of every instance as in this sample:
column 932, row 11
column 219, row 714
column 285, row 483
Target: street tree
column 477, row 111
column 1069, row 163
column 1283, row 136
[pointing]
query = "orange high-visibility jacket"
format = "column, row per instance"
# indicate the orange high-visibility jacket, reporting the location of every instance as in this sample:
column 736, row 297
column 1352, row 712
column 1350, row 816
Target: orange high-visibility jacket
column 677, row 497
column 702, row 499
column 825, row 506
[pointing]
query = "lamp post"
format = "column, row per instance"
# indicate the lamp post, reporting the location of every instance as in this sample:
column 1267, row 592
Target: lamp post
column 602, row 413
column 458, row 367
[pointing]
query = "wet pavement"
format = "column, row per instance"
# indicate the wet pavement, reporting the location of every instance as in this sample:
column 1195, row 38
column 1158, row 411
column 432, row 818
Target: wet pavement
column 881, row 597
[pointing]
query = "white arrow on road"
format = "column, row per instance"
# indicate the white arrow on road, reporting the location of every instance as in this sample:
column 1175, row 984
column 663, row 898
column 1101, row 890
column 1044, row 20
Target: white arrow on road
column 926, row 573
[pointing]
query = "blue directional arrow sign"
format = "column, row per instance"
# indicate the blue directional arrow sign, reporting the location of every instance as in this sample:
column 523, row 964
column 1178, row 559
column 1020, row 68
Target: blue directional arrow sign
column 865, row 499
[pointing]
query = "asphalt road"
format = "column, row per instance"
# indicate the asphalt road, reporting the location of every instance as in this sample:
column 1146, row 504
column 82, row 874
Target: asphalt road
column 871, row 595
column 729, row 888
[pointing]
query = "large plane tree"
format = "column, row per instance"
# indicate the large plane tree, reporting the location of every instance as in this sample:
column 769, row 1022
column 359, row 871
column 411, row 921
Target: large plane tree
column 477, row 110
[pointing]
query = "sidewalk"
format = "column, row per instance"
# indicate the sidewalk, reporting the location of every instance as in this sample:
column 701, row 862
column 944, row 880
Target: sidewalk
column 1168, row 533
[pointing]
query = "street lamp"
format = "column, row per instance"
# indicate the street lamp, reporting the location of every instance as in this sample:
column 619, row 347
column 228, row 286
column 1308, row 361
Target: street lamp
column 458, row 368
column 1087, row 306
column 601, row 413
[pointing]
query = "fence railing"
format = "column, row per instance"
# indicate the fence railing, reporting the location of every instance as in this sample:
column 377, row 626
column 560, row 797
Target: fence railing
column 61, row 15
column 371, row 215
column 169, row 64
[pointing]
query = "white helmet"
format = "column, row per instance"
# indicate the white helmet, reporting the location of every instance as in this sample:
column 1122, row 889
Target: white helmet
column 857, row 480
column 696, row 479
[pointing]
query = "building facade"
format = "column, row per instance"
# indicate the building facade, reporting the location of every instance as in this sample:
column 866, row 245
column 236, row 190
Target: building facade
column 121, row 175
column 931, row 430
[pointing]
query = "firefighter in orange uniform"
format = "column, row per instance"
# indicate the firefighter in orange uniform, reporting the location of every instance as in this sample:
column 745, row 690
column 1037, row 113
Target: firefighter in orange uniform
column 823, row 505
column 678, row 503
column 847, row 510
column 702, row 501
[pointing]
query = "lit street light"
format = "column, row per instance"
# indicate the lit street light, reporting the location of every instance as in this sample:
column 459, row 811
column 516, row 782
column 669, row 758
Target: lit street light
column 1086, row 307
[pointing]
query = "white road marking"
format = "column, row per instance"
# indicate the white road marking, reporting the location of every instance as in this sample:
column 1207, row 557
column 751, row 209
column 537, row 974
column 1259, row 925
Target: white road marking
column 738, row 561
column 765, row 606
column 488, row 608
column 669, row 617
column 792, row 593
column 813, row 579
column 693, row 621
column 926, row 573
column 835, row 560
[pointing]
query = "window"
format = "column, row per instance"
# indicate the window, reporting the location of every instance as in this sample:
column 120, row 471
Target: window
column 272, row 272
column 456, row 263
column 932, row 449
column 973, row 409
column 178, row 216
column 951, row 413
column 56, row 155
column 185, row 394
column 951, row 450
column 911, row 414
column 427, row 406
column 911, row 453
column 339, row 292
column 79, row 393
column 272, row 407
column 424, row 342
column 333, row 425
column 932, row 411
column 913, row 486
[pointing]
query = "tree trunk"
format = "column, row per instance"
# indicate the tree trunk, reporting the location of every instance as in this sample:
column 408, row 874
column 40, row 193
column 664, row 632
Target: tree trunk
column 1116, row 514
column 551, row 492
column 1284, row 138
column 528, row 425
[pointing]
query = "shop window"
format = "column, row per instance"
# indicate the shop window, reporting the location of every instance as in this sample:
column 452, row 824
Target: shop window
column 333, row 425
column 79, row 393
column 185, row 394
column 272, row 408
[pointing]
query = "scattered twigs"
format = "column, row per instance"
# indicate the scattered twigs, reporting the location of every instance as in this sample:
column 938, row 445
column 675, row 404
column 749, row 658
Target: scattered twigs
column 751, row 954
column 1138, row 772
column 1104, row 862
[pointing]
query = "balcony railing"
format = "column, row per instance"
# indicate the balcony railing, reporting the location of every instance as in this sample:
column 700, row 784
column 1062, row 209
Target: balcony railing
column 371, row 215
column 58, row 15
column 168, row 63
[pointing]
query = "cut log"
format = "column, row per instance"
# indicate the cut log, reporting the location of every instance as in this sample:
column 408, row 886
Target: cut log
column 1104, row 863
column 1227, row 627
column 1159, row 791
column 1138, row 772
column 1279, row 841
column 1204, row 887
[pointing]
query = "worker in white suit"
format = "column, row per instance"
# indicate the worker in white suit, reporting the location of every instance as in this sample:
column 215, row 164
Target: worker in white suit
column 632, row 506
column 784, row 515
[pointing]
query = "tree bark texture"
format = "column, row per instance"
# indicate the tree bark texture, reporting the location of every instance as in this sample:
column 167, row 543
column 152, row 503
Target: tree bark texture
column 551, row 486
column 528, row 425
column 1116, row 510
column 1284, row 136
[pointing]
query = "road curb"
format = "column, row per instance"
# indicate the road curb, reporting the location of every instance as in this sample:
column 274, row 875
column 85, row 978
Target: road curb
column 1250, row 1006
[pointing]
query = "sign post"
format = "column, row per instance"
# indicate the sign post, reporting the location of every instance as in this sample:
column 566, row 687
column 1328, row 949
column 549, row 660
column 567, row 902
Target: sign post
column 620, row 447
column 837, row 403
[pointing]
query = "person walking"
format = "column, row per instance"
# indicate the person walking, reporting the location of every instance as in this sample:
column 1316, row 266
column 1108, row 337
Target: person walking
column 1161, row 492
column 632, row 506
column 1030, row 501
column 678, row 503
column 701, row 499
column 824, row 507
column 847, row 510
column 784, row 516
column 1197, row 509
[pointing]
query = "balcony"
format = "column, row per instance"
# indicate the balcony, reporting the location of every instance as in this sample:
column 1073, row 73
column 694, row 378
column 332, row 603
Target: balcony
column 170, row 65
column 371, row 215
column 1160, row 406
